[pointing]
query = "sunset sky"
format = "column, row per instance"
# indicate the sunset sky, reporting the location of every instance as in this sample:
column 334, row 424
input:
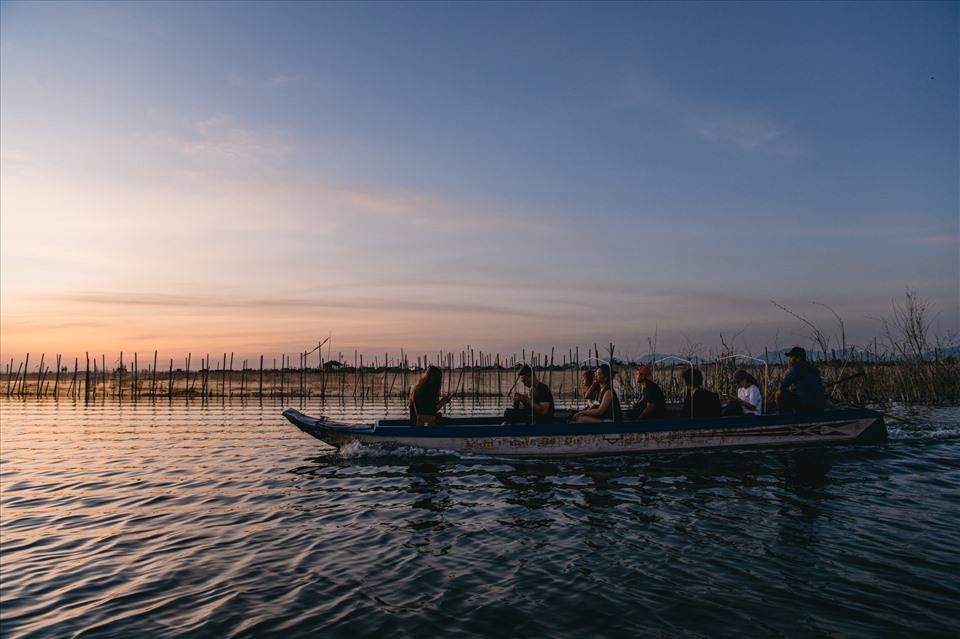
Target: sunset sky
column 253, row 177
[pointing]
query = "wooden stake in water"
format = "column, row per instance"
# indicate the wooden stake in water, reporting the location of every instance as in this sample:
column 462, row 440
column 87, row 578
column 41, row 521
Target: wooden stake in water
column 40, row 375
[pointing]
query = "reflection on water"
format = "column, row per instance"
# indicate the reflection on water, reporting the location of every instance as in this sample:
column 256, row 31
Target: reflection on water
column 220, row 519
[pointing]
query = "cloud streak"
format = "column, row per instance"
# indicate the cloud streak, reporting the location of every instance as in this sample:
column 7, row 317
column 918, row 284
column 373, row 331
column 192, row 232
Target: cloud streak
column 219, row 137
column 745, row 133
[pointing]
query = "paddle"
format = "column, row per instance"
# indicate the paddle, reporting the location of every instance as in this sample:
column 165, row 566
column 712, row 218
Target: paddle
column 888, row 415
column 851, row 404
column 446, row 399
column 844, row 379
column 510, row 392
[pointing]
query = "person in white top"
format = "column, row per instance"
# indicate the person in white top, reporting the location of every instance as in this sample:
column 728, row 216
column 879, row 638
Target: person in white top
column 748, row 400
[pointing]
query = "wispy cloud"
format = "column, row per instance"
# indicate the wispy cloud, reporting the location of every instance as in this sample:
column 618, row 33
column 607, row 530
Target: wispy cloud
column 940, row 240
column 187, row 303
column 220, row 136
column 747, row 133
column 282, row 80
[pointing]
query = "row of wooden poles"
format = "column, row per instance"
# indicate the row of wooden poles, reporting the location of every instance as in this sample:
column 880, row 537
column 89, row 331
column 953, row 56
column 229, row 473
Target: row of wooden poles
column 330, row 377
column 468, row 373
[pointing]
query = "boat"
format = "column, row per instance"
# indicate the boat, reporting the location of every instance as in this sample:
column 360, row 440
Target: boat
column 487, row 436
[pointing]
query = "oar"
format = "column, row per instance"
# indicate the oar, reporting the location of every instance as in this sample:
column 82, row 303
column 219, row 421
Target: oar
column 510, row 392
column 847, row 403
column 446, row 399
column 844, row 379
column 888, row 415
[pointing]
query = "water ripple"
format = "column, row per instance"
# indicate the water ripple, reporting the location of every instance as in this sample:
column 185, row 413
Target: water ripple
column 209, row 520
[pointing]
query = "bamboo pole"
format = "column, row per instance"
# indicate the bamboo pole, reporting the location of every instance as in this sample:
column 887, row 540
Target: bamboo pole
column 40, row 376
column 26, row 371
column 323, row 373
column 74, row 390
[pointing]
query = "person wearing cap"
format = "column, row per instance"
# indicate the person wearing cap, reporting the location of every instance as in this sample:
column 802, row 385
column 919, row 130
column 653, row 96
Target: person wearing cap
column 653, row 403
column 748, row 400
column 537, row 406
column 801, row 389
column 699, row 401
column 609, row 408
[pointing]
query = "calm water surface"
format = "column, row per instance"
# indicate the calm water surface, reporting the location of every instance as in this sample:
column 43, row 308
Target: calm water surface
column 222, row 520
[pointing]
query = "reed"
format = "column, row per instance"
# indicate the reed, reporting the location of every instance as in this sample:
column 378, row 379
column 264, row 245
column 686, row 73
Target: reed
column 861, row 377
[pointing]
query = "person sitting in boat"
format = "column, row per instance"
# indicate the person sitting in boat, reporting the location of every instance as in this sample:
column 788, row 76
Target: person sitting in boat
column 748, row 400
column 425, row 402
column 609, row 407
column 801, row 389
column 591, row 389
column 699, row 401
column 653, row 403
column 537, row 406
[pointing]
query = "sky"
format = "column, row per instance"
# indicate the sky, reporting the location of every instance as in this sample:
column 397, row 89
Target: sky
column 253, row 178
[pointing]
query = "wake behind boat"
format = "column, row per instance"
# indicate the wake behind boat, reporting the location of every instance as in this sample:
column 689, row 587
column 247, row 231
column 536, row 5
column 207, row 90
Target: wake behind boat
column 486, row 435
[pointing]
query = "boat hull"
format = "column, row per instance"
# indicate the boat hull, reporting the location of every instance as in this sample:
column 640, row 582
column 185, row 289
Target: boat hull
column 486, row 436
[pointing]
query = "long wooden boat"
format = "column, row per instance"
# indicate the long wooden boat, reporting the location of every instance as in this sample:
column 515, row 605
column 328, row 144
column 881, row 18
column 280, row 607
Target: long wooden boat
column 486, row 435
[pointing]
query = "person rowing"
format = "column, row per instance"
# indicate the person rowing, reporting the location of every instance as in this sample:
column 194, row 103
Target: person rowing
column 536, row 406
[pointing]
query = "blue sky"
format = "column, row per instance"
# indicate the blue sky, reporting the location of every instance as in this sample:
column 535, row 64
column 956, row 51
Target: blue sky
column 253, row 177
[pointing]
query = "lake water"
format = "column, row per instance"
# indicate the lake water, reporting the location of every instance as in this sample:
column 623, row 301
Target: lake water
column 169, row 519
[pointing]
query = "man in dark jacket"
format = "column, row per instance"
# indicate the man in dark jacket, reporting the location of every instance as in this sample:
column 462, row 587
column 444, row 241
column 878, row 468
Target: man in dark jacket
column 801, row 389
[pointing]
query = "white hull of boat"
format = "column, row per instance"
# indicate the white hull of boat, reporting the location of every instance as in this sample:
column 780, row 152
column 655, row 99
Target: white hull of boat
column 606, row 438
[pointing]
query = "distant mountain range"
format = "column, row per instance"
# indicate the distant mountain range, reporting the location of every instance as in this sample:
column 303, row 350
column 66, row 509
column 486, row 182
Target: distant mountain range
column 780, row 357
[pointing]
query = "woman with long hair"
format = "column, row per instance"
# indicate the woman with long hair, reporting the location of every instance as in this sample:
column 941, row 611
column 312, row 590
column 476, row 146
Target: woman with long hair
column 425, row 402
column 609, row 408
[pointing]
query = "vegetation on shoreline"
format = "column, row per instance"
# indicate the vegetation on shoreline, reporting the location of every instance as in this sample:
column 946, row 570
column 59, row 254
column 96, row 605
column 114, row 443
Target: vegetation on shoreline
column 860, row 382
column 907, row 364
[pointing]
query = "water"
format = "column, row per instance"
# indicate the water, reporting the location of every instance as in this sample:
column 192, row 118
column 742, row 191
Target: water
column 222, row 520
